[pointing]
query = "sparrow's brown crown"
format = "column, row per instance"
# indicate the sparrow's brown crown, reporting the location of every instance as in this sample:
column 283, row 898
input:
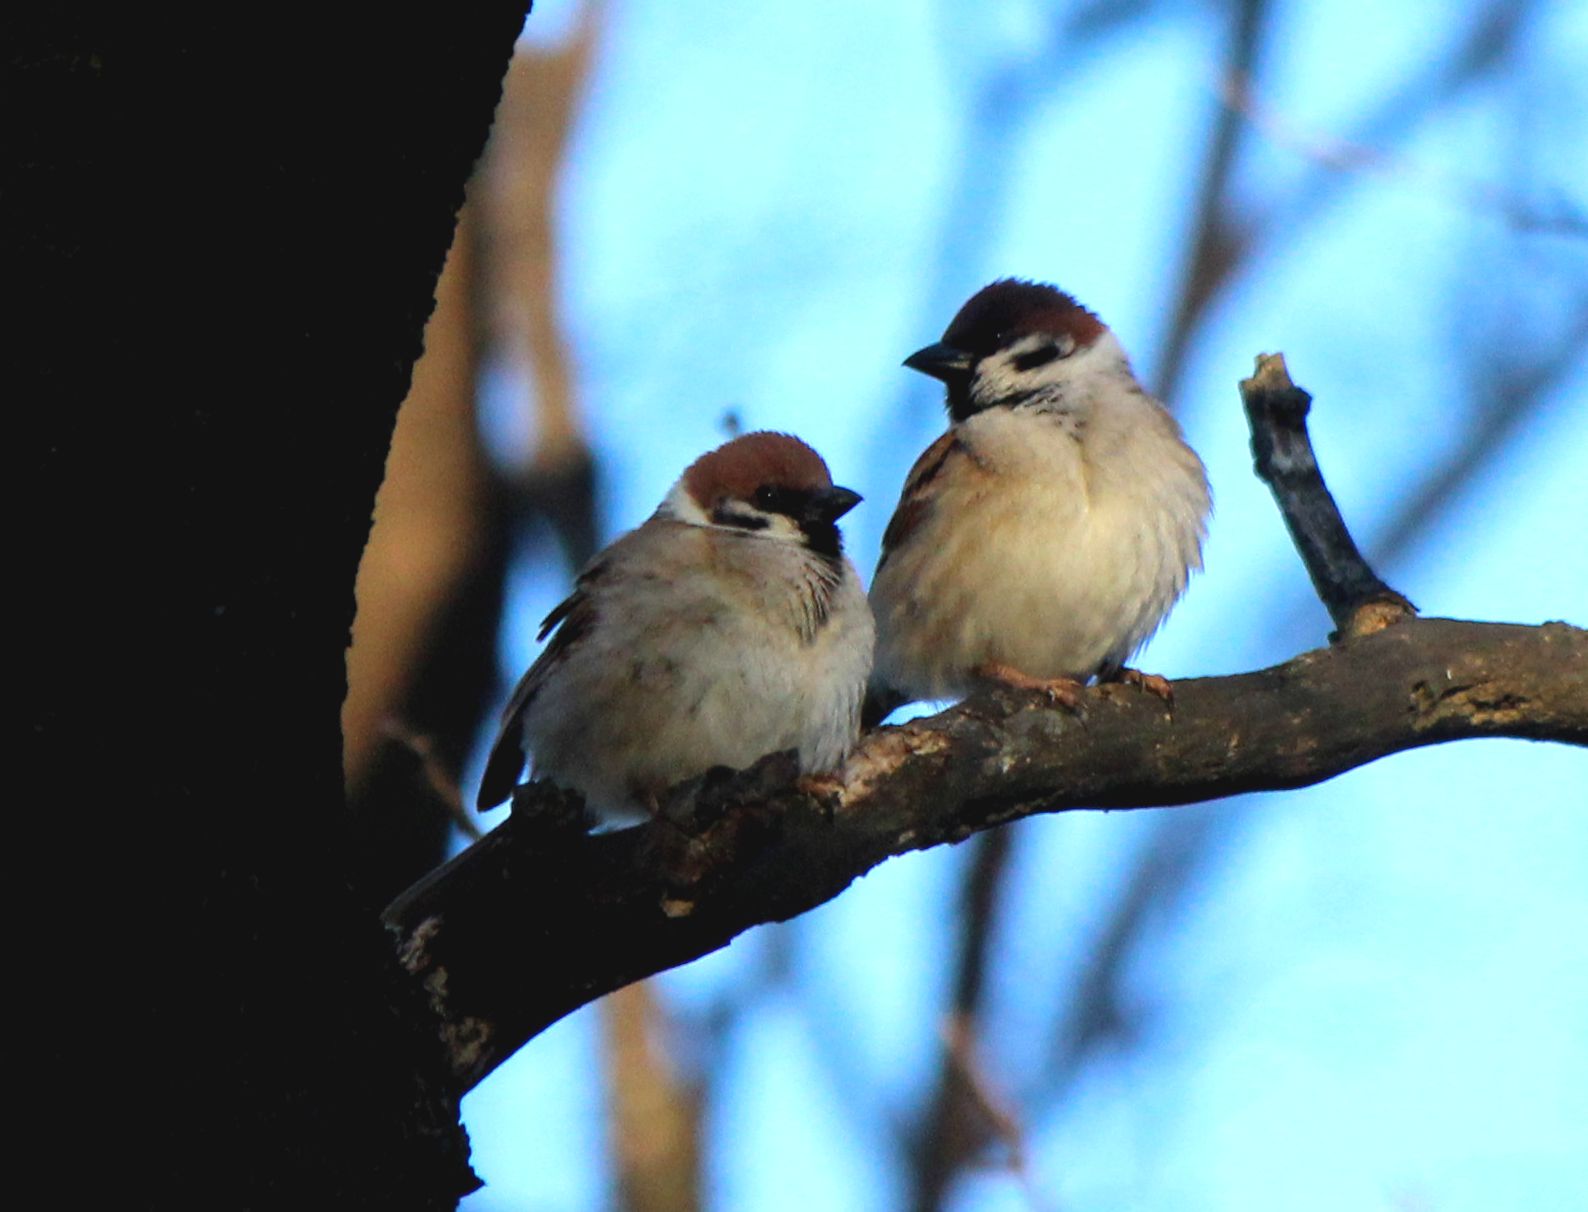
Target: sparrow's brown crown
column 998, row 315
column 737, row 469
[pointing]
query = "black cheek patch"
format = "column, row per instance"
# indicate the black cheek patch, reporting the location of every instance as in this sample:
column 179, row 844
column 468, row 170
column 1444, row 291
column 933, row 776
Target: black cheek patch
column 1036, row 358
column 960, row 405
column 823, row 538
column 723, row 516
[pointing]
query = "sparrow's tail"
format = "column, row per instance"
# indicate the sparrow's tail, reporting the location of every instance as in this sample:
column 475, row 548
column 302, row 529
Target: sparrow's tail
column 502, row 769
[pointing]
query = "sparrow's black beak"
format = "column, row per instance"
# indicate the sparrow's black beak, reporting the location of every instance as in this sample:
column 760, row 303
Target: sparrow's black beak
column 942, row 362
column 829, row 504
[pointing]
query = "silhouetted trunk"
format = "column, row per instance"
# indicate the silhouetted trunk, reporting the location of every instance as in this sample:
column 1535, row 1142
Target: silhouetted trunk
column 235, row 222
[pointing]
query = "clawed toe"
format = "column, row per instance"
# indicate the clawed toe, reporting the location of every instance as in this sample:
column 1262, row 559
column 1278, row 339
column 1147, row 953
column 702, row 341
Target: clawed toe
column 1152, row 683
column 1066, row 692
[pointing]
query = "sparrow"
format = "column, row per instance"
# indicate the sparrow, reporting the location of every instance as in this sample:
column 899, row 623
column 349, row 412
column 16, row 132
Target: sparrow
column 727, row 626
column 1043, row 538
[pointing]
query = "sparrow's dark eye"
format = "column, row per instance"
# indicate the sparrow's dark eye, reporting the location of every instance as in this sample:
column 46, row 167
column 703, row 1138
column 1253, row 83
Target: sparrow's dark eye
column 766, row 497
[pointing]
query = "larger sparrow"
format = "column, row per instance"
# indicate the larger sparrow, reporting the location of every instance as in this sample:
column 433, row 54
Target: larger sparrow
column 1045, row 536
column 728, row 626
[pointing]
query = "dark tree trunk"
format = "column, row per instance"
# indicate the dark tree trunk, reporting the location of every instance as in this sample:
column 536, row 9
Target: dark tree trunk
column 232, row 225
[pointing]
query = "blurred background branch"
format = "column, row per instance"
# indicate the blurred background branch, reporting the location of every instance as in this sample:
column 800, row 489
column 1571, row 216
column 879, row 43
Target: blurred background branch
column 956, row 1126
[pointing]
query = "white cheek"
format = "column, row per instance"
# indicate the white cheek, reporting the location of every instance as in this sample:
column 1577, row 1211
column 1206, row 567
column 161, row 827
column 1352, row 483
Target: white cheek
column 680, row 505
column 783, row 528
column 998, row 377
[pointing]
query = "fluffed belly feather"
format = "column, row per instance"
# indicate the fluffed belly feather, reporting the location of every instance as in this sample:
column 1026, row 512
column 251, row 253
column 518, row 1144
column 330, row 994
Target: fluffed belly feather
column 1080, row 588
column 622, row 727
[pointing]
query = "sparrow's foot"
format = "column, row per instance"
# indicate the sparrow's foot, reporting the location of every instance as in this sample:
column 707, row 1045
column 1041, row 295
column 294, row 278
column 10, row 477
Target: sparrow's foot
column 1152, row 683
column 1064, row 691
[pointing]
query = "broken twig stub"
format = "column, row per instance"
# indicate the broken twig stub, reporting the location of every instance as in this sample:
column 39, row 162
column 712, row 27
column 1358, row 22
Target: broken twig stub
column 1357, row 600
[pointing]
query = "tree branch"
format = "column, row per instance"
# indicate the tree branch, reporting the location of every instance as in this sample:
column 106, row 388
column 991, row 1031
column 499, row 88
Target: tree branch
column 537, row 919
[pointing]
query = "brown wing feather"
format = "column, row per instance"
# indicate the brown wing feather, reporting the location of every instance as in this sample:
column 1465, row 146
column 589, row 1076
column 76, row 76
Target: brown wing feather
column 571, row 618
column 915, row 502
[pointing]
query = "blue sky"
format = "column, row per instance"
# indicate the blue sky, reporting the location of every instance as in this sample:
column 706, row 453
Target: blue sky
column 1371, row 993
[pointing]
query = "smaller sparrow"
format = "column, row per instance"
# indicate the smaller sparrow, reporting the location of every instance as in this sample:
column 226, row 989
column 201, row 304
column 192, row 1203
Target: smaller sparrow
column 728, row 626
column 1045, row 536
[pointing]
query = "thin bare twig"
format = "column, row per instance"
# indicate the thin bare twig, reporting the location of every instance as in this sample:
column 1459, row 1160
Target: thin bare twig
column 1336, row 154
column 437, row 777
column 1276, row 409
